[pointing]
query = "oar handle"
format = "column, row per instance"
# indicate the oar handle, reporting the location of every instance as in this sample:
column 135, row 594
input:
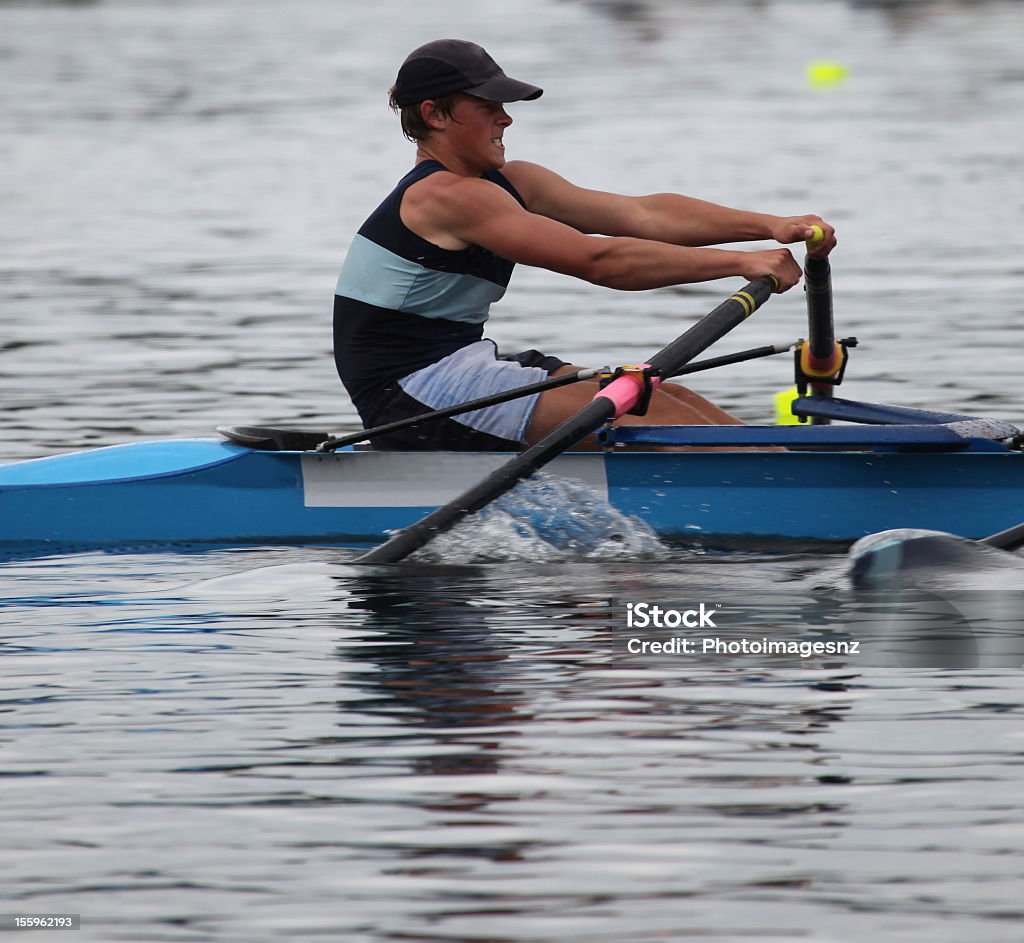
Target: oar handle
column 820, row 360
column 821, row 333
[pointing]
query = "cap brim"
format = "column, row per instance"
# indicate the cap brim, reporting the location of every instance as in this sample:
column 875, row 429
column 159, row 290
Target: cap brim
column 503, row 89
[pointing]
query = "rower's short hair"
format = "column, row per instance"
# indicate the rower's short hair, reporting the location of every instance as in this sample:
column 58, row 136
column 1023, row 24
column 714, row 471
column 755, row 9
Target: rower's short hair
column 413, row 125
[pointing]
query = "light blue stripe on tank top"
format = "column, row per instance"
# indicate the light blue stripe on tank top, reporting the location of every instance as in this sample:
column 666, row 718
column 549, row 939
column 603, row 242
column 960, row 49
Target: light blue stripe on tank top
column 377, row 276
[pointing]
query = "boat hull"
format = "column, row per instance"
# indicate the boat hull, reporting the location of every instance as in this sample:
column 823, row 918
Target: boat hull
column 203, row 492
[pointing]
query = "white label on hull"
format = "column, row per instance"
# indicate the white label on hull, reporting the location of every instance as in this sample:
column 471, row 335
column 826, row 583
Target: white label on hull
column 419, row 479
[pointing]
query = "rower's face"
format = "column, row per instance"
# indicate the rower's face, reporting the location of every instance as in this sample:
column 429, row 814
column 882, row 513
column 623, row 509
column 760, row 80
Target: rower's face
column 477, row 131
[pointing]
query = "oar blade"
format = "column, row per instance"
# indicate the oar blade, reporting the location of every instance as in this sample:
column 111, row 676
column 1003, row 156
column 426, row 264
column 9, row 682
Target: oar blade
column 1010, row 539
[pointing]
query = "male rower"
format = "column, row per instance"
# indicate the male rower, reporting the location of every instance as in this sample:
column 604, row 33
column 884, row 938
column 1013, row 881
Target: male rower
column 425, row 267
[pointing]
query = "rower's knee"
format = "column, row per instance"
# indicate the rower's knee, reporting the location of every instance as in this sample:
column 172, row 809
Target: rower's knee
column 666, row 408
column 685, row 408
column 681, row 394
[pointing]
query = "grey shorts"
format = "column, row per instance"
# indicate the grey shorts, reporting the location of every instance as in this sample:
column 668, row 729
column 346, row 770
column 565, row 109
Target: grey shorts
column 469, row 373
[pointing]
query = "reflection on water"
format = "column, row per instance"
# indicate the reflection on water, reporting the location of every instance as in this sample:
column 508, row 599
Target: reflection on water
column 292, row 743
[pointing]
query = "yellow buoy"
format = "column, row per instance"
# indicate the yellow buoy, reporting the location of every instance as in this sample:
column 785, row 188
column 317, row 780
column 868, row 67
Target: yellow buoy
column 825, row 74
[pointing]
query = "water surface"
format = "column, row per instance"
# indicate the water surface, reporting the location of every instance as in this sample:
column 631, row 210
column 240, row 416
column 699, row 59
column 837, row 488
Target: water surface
column 265, row 744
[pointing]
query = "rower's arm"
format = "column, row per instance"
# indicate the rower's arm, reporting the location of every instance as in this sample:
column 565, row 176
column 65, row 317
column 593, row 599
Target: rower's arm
column 662, row 217
column 477, row 212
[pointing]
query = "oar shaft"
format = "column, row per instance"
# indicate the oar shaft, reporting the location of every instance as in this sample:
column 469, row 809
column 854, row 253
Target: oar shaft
column 821, row 357
column 821, row 332
column 712, row 327
column 618, row 397
column 493, row 486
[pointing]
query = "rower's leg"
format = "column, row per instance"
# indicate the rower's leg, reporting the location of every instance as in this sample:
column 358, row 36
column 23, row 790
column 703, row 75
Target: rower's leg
column 671, row 405
column 713, row 415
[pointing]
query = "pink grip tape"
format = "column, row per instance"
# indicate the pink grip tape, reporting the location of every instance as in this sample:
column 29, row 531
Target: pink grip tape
column 624, row 392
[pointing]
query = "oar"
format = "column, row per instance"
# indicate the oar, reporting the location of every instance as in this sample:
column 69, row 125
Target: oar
column 820, row 356
column 892, row 554
column 821, row 336
column 616, row 399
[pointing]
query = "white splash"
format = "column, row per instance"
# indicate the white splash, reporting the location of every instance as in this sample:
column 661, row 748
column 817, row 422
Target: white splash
column 546, row 518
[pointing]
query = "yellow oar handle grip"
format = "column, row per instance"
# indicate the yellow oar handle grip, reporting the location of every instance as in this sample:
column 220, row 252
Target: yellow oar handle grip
column 817, row 235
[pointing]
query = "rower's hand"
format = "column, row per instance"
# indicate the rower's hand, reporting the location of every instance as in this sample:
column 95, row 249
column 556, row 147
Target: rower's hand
column 778, row 264
column 792, row 229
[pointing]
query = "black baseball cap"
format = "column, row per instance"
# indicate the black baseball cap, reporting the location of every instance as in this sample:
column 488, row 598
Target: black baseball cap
column 446, row 66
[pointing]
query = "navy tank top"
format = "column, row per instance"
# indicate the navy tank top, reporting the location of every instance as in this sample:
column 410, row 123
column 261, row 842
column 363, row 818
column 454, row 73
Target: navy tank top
column 403, row 303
